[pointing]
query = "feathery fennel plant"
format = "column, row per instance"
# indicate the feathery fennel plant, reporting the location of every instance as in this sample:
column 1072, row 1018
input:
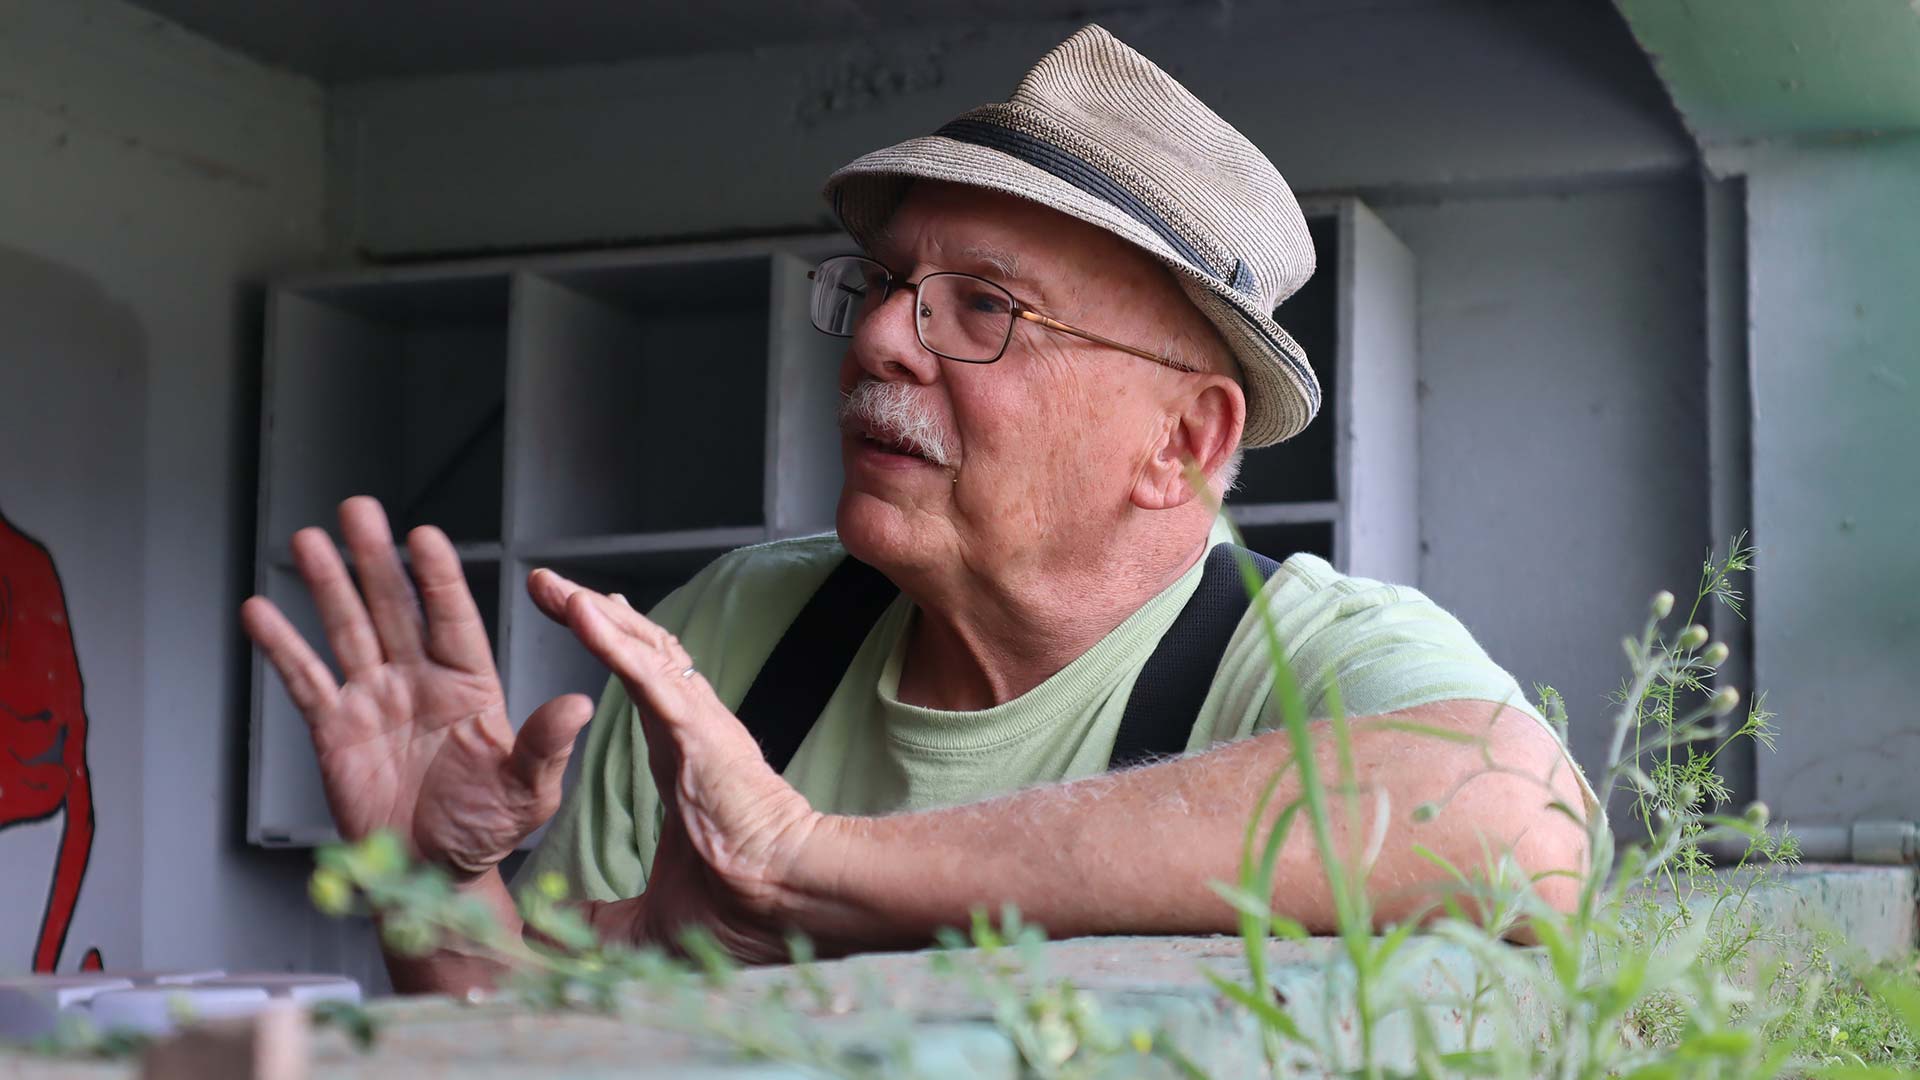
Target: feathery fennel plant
column 1659, row 969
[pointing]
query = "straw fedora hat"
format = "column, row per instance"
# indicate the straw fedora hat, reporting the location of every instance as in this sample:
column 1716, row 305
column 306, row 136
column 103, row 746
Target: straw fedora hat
column 1098, row 132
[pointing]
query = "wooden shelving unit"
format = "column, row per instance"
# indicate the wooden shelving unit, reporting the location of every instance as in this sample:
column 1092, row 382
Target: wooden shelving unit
column 1346, row 489
column 625, row 417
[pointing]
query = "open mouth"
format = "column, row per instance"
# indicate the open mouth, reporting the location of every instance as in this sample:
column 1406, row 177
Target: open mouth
column 888, row 444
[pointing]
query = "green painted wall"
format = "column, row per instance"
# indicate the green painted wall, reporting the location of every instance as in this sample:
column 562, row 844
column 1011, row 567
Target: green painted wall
column 1834, row 303
column 1816, row 103
column 1743, row 70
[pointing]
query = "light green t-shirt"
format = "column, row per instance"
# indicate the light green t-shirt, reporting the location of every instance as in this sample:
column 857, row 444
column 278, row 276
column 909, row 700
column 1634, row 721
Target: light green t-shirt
column 1388, row 646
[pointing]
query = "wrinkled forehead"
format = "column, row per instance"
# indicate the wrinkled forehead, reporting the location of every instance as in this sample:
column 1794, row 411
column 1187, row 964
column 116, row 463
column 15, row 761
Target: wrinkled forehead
column 975, row 208
column 1013, row 240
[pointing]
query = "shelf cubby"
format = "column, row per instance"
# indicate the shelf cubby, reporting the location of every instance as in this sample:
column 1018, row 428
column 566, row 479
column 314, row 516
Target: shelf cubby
column 1278, row 541
column 1301, row 470
column 543, row 658
column 391, row 388
column 803, row 436
column 1346, row 488
column 639, row 399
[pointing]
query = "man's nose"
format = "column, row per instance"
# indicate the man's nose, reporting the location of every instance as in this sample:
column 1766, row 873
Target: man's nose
column 886, row 345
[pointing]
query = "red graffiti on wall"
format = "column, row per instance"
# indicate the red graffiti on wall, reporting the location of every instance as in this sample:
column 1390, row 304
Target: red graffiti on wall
column 43, row 727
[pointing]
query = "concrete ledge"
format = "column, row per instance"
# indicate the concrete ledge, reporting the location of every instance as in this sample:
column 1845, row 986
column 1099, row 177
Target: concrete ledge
column 1871, row 907
column 1148, row 982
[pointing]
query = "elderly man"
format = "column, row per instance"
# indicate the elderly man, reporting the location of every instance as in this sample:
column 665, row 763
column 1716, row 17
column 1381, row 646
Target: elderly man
column 1062, row 316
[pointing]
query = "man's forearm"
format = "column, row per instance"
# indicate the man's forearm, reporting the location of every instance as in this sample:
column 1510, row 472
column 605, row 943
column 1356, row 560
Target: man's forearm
column 1125, row 852
column 1133, row 852
column 450, row 971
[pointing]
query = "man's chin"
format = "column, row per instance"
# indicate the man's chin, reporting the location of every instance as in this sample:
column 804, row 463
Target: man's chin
column 877, row 530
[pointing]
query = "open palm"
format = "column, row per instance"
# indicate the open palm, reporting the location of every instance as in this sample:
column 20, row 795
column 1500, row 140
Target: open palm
column 416, row 739
column 735, row 832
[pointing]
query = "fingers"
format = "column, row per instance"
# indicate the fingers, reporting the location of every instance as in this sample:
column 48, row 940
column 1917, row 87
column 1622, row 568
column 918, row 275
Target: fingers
column 546, row 740
column 343, row 617
column 553, row 594
column 383, row 580
column 676, row 703
column 614, row 606
column 308, row 682
column 659, row 677
column 549, row 592
column 627, row 641
column 456, row 635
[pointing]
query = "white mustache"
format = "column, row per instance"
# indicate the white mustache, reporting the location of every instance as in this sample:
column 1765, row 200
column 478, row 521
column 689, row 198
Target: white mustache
column 891, row 412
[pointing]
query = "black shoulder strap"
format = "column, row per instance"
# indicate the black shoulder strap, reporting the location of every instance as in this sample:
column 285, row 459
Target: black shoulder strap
column 1174, row 683
column 805, row 668
column 807, row 664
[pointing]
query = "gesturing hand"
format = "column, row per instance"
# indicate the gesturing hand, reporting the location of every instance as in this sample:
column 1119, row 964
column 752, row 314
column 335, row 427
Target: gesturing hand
column 735, row 833
column 417, row 738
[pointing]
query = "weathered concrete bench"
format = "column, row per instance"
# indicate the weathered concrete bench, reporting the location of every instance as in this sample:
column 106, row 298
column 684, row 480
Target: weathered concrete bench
column 1151, row 983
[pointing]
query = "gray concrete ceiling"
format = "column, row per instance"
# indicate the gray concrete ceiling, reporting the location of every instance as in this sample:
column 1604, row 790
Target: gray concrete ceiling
column 347, row 40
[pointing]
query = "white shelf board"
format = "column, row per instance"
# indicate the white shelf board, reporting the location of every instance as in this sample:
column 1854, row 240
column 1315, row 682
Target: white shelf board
column 588, row 547
column 808, row 244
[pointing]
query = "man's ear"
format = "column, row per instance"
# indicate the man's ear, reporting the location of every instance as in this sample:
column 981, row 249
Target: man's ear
column 1203, row 431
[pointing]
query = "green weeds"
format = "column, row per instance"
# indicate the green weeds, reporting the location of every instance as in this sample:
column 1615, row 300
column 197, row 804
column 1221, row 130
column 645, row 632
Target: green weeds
column 1663, row 968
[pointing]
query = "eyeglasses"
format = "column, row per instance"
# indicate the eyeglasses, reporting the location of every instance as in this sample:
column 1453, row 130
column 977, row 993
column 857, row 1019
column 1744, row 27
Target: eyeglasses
column 958, row 316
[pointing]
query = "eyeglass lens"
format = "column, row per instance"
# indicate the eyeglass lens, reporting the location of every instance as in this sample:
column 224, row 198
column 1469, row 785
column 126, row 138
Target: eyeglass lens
column 844, row 290
column 964, row 317
column 958, row 316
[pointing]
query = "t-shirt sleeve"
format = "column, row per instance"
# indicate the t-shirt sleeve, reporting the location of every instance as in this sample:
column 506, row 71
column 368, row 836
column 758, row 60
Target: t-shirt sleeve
column 1378, row 648
column 1387, row 647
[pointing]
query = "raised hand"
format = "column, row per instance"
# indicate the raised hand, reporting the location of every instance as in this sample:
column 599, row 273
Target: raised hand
column 736, row 834
column 416, row 739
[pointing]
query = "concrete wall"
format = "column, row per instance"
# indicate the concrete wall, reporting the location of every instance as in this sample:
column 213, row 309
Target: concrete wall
column 1342, row 96
column 148, row 178
column 1808, row 116
column 1524, row 152
column 1562, row 425
column 1834, row 290
column 68, row 349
